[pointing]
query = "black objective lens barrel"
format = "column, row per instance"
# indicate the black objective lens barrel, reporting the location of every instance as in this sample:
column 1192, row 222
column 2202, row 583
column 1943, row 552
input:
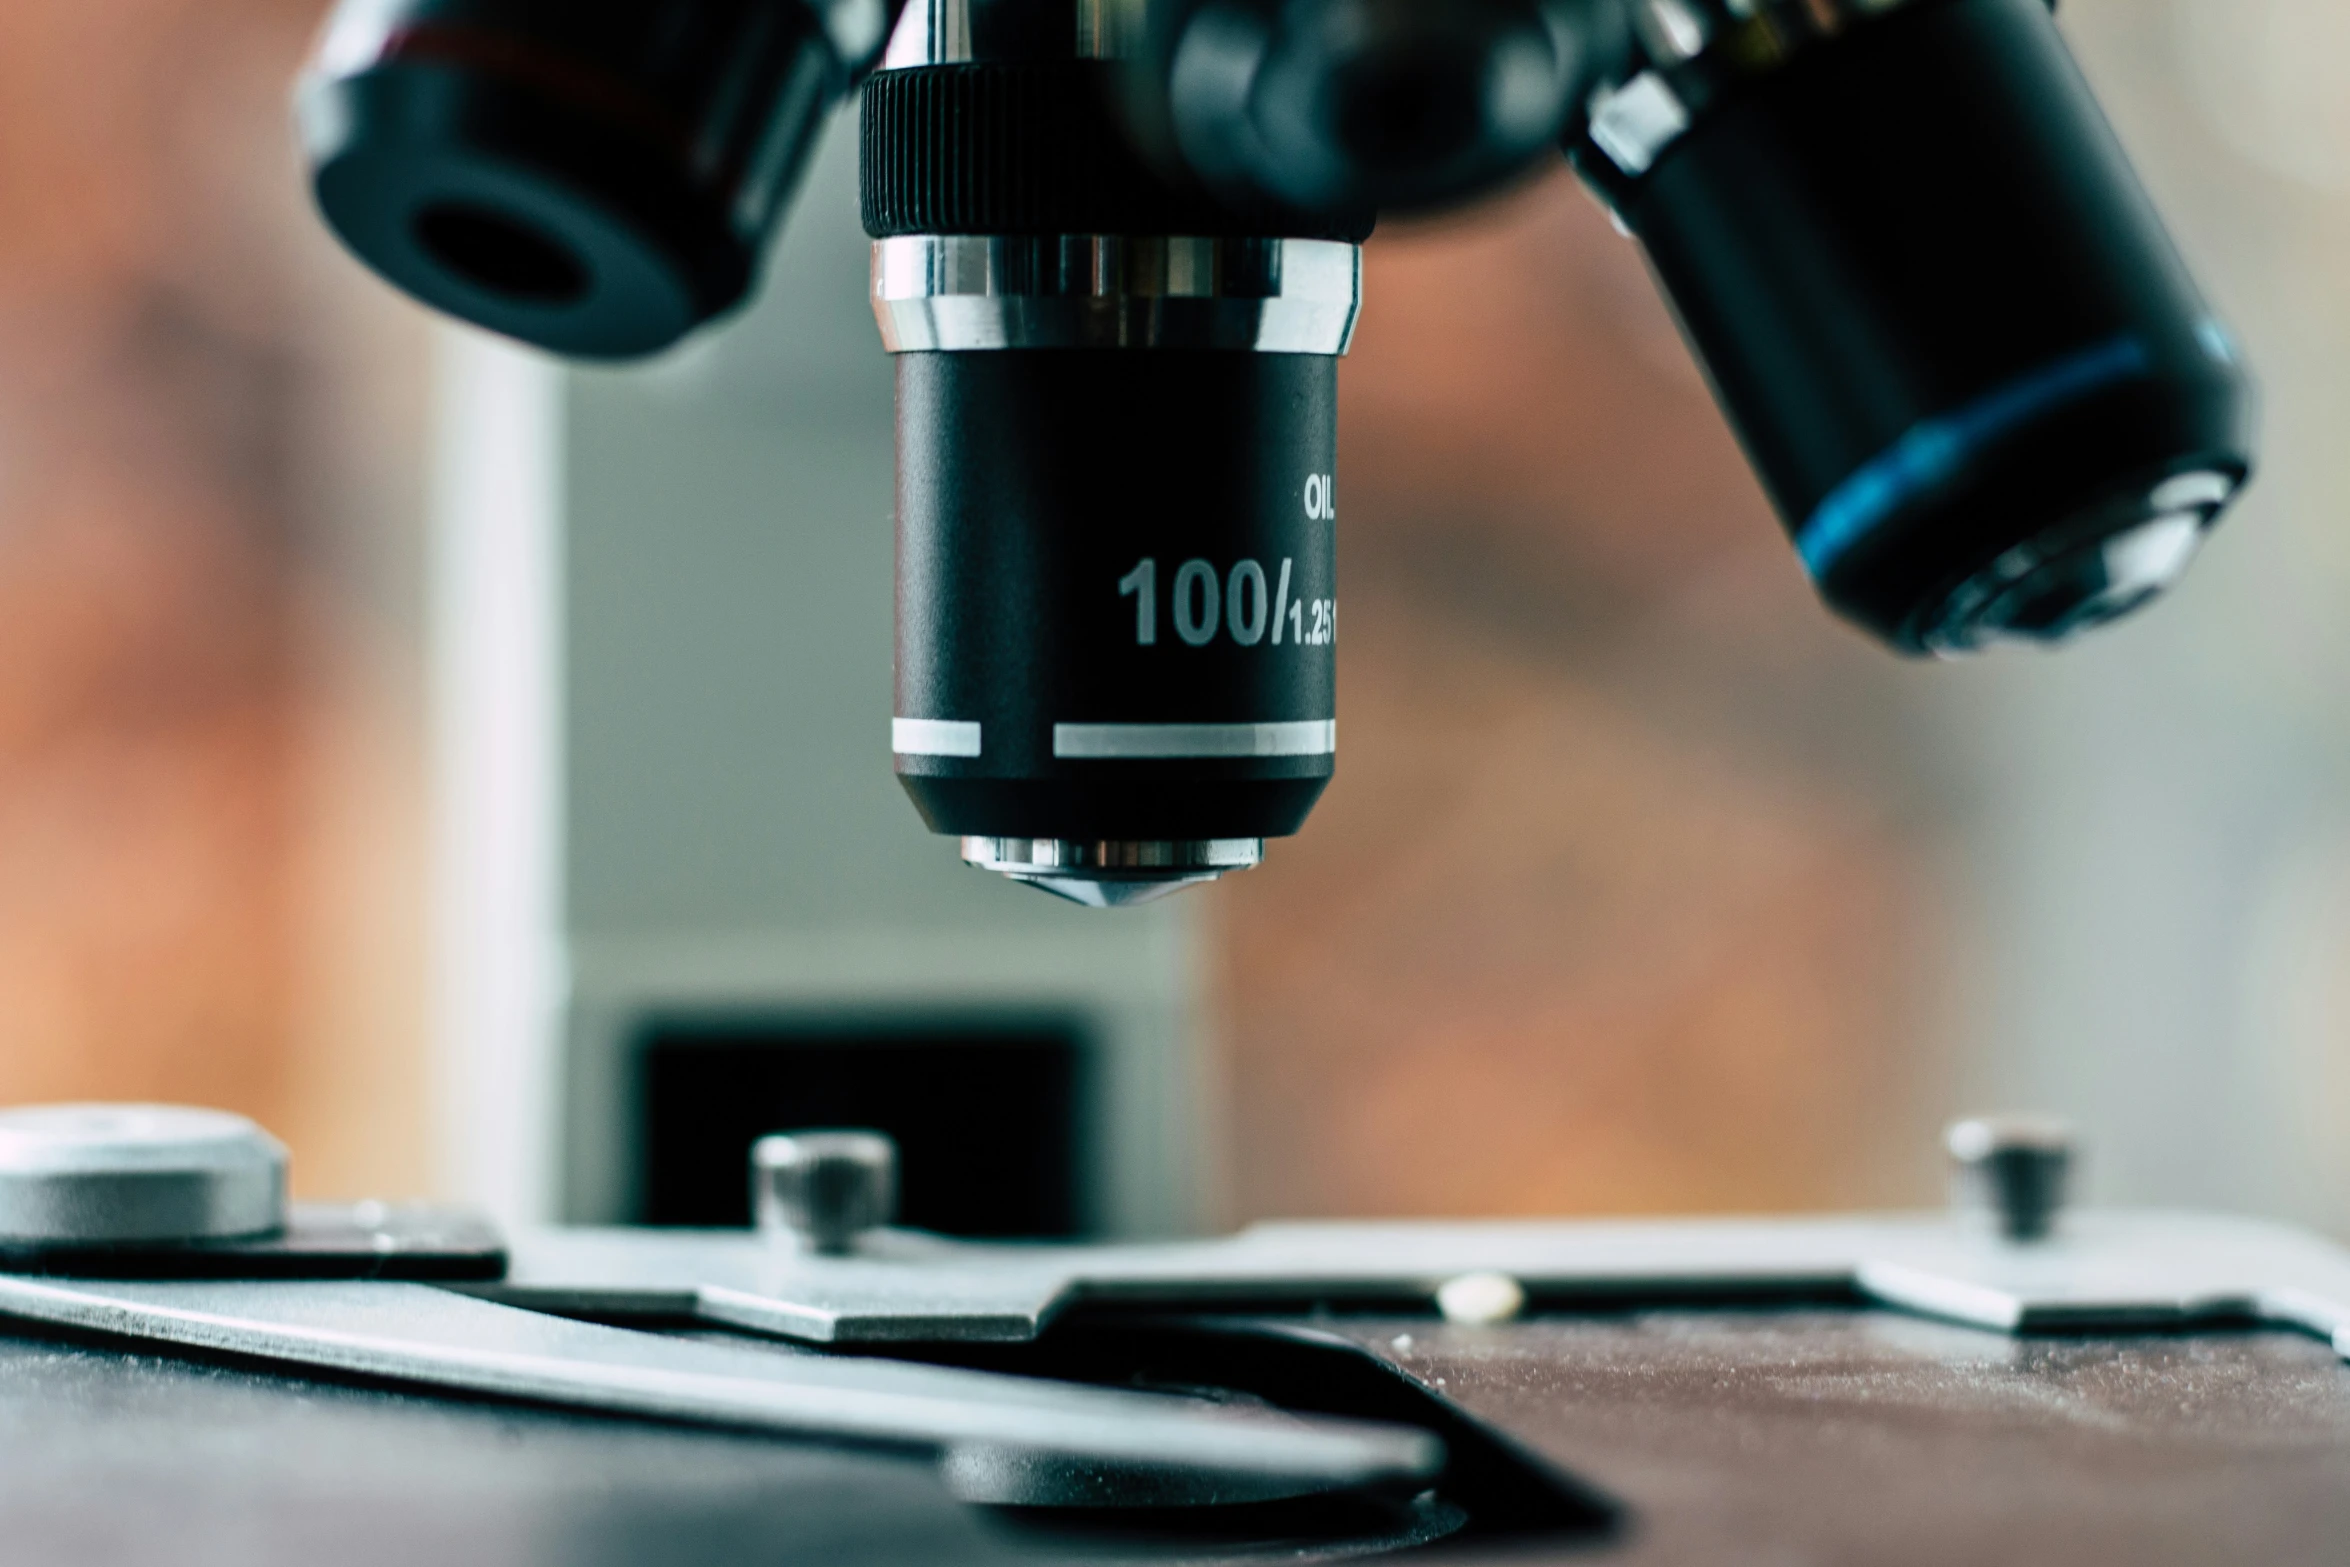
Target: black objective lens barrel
column 1117, row 506
column 1940, row 312
column 1117, row 590
column 1117, row 494
column 596, row 179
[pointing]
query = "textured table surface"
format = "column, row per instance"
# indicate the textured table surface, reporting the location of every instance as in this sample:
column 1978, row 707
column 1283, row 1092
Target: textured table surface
column 1832, row 1437
column 1753, row 1437
column 109, row 1457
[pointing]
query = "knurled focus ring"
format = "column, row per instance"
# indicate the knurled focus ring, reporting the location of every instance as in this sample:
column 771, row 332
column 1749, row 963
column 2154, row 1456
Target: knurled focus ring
column 1036, row 147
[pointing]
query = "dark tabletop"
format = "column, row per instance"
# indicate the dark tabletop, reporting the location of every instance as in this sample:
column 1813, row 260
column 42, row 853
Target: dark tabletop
column 1841, row 1438
column 110, row 1457
column 1760, row 1438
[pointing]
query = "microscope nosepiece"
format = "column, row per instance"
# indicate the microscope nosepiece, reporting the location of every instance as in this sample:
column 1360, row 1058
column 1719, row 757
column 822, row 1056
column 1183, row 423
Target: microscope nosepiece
column 1403, row 104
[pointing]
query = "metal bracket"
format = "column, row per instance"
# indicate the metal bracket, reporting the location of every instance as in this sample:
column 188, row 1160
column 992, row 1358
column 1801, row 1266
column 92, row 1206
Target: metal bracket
column 993, row 1433
column 2097, row 1270
column 119, row 1197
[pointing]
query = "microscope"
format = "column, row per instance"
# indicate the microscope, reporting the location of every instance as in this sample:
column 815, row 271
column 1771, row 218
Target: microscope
column 1117, row 258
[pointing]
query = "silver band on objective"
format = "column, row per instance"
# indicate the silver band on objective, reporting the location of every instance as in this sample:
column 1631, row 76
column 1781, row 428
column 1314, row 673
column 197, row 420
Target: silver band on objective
column 960, row 293
column 1126, row 742
column 1173, row 858
column 1132, row 742
column 1700, row 45
column 947, row 32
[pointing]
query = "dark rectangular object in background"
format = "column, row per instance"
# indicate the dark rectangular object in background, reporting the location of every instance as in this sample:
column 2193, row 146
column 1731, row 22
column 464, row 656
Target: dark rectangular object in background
column 989, row 1118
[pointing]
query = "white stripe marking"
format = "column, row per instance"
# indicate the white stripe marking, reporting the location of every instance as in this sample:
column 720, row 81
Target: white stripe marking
column 1132, row 742
column 933, row 737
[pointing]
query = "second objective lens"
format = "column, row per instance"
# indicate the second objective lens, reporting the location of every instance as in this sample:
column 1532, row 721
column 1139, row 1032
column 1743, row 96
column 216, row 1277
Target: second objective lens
column 597, row 180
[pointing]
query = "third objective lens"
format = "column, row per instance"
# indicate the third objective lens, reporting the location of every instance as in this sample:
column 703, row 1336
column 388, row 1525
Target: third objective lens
column 1936, row 304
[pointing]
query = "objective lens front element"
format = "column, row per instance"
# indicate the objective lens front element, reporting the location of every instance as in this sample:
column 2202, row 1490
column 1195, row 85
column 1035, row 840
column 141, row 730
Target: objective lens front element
column 1112, row 875
column 2050, row 589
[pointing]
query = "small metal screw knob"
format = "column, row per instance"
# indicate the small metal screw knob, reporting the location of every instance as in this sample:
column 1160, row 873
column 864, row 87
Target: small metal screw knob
column 95, row 1174
column 2017, row 1166
column 824, row 1189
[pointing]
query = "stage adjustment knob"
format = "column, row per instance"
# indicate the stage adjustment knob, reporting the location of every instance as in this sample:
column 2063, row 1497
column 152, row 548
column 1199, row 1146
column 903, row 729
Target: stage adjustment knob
column 823, row 1190
column 2016, row 1166
column 96, row 1174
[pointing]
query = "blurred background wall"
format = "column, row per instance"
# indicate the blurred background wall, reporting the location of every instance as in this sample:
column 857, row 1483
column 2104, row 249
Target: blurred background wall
column 1644, row 885
column 212, row 437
